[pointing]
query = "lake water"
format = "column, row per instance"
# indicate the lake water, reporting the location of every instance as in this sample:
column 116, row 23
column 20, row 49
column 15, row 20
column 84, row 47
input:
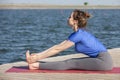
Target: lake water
column 39, row 29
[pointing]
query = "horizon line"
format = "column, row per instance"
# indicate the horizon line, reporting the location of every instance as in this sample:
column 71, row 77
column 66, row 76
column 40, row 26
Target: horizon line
column 48, row 6
column 57, row 4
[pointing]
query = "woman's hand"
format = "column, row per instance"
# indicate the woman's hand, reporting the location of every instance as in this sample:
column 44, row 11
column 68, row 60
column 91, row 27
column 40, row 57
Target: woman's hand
column 31, row 58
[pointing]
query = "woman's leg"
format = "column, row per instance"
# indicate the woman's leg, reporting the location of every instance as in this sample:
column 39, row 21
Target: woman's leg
column 103, row 62
column 76, row 63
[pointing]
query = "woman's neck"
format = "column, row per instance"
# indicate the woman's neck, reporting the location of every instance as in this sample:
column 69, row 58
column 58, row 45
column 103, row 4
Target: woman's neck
column 75, row 28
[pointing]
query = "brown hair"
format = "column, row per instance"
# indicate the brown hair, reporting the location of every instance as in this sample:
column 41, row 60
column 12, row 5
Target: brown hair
column 81, row 17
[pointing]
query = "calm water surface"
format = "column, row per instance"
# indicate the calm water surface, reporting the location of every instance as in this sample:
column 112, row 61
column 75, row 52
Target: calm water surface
column 39, row 29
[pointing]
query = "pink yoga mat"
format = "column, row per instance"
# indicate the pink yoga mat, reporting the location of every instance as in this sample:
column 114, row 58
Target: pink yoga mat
column 115, row 70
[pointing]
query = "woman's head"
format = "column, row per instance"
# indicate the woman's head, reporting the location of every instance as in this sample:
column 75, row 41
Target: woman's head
column 78, row 19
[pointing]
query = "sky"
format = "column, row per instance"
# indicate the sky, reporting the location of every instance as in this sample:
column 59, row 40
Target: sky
column 62, row 2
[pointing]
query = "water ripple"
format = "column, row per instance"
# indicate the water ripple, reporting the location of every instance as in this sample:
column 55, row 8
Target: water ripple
column 38, row 30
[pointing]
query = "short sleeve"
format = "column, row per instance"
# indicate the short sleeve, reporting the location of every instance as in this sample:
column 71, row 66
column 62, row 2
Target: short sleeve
column 75, row 37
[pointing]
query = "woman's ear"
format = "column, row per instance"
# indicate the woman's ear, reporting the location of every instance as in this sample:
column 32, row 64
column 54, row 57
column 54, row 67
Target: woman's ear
column 75, row 22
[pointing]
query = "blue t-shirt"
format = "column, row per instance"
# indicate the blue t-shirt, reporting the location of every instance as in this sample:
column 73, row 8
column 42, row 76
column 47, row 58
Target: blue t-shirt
column 86, row 43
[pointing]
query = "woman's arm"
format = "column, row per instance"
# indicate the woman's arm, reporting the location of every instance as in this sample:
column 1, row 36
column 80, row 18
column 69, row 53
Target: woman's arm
column 55, row 49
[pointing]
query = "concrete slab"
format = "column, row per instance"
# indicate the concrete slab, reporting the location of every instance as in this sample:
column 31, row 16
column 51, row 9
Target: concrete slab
column 115, row 53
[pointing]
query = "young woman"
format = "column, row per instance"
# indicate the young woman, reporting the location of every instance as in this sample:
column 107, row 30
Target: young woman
column 98, row 57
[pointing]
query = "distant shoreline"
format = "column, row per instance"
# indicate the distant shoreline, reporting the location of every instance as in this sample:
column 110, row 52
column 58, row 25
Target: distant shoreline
column 38, row 6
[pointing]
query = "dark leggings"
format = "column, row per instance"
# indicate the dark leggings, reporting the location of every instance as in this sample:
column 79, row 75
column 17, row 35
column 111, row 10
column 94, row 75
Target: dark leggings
column 102, row 62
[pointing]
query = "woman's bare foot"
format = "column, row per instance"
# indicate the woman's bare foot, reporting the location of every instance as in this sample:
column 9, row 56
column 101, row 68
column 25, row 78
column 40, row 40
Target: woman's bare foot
column 34, row 66
column 31, row 58
column 28, row 56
